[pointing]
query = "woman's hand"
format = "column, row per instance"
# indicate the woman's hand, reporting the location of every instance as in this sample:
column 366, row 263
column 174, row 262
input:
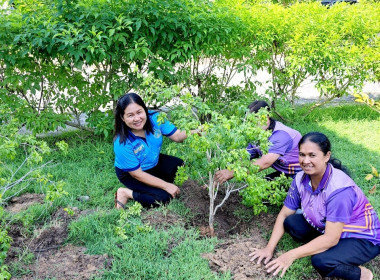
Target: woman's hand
column 172, row 189
column 223, row 175
column 283, row 262
column 198, row 131
column 261, row 254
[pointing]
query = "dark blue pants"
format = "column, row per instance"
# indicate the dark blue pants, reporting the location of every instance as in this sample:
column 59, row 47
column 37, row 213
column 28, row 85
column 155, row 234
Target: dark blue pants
column 149, row 196
column 340, row 261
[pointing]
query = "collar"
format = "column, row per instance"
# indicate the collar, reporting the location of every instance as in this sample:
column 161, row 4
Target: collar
column 306, row 181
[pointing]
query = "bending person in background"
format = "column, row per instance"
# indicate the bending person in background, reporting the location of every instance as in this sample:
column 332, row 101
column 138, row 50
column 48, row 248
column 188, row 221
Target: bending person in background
column 339, row 226
column 282, row 154
column 147, row 174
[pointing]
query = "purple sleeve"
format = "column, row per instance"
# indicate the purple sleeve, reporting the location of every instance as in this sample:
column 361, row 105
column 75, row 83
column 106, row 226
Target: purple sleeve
column 254, row 151
column 281, row 142
column 340, row 205
column 293, row 199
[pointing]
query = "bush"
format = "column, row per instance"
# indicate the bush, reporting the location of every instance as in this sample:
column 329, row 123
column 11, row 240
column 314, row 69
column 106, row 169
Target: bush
column 64, row 60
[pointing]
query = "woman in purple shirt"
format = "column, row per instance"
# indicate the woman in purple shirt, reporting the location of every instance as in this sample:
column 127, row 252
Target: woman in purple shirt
column 282, row 155
column 339, row 226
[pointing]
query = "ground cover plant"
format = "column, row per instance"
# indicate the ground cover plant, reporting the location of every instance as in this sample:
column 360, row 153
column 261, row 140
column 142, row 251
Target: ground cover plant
column 168, row 242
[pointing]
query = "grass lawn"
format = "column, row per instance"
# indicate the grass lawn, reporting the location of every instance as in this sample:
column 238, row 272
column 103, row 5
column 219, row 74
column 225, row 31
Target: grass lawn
column 174, row 252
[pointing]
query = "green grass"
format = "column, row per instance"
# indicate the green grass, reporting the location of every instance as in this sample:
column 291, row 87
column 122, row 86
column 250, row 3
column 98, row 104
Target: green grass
column 171, row 254
column 175, row 253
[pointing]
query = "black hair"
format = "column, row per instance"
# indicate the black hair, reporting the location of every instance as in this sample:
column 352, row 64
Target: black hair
column 255, row 106
column 121, row 129
column 324, row 144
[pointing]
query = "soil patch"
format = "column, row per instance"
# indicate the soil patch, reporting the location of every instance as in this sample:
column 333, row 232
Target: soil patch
column 70, row 262
column 20, row 203
column 161, row 220
column 232, row 218
column 44, row 255
column 232, row 255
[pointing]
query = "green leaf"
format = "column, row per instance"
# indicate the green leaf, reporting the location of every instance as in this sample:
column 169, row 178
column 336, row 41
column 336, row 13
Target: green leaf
column 138, row 24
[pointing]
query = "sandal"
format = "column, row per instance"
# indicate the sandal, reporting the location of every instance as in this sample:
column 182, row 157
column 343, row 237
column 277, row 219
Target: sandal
column 118, row 202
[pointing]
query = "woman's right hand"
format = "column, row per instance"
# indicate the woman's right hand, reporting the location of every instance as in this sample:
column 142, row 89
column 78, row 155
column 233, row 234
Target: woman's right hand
column 172, row 189
column 261, row 254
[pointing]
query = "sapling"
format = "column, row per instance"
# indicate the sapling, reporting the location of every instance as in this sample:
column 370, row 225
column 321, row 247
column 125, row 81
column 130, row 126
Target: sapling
column 221, row 144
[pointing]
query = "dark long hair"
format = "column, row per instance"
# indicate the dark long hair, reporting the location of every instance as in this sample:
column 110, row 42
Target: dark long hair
column 121, row 129
column 324, row 144
column 255, row 106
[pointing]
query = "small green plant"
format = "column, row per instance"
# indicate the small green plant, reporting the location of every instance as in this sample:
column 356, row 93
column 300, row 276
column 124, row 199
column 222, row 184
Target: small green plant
column 69, row 211
column 181, row 176
column 5, row 244
column 55, row 190
column 373, row 175
column 126, row 221
column 260, row 190
column 4, row 274
column 30, row 169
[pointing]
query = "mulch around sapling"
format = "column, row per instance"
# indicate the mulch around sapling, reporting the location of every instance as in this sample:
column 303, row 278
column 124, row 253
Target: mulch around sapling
column 43, row 254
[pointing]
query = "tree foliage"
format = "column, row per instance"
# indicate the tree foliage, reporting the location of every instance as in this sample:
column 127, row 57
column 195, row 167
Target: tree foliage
column 221, row 144
column 65, row 58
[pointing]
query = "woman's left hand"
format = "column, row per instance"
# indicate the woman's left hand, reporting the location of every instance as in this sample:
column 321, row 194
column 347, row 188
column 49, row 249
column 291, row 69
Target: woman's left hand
column 223, row 175
column 283, row 262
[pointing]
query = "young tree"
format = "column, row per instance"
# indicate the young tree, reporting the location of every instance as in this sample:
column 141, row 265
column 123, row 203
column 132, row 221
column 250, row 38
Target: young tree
column 221, row 144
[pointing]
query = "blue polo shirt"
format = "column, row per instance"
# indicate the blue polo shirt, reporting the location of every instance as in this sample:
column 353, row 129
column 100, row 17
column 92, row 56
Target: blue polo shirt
column 141, row 152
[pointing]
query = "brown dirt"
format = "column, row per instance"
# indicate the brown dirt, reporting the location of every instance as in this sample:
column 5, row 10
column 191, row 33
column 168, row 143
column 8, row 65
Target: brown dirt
column 69, row 262
column 20, row 203
column 232, row 255
column 51, row 258
column 161, row 220
column 232, row 218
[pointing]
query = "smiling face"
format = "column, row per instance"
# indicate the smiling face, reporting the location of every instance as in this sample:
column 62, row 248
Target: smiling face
column 134, row 117
column 312, row 160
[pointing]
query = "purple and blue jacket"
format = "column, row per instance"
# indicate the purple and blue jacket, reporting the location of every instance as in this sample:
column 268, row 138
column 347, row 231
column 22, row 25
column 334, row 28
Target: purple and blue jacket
column 284, row 141
column 337, row 199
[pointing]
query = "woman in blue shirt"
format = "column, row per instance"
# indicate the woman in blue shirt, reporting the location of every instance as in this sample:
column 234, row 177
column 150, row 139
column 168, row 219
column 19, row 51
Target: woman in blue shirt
column 147, row 174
